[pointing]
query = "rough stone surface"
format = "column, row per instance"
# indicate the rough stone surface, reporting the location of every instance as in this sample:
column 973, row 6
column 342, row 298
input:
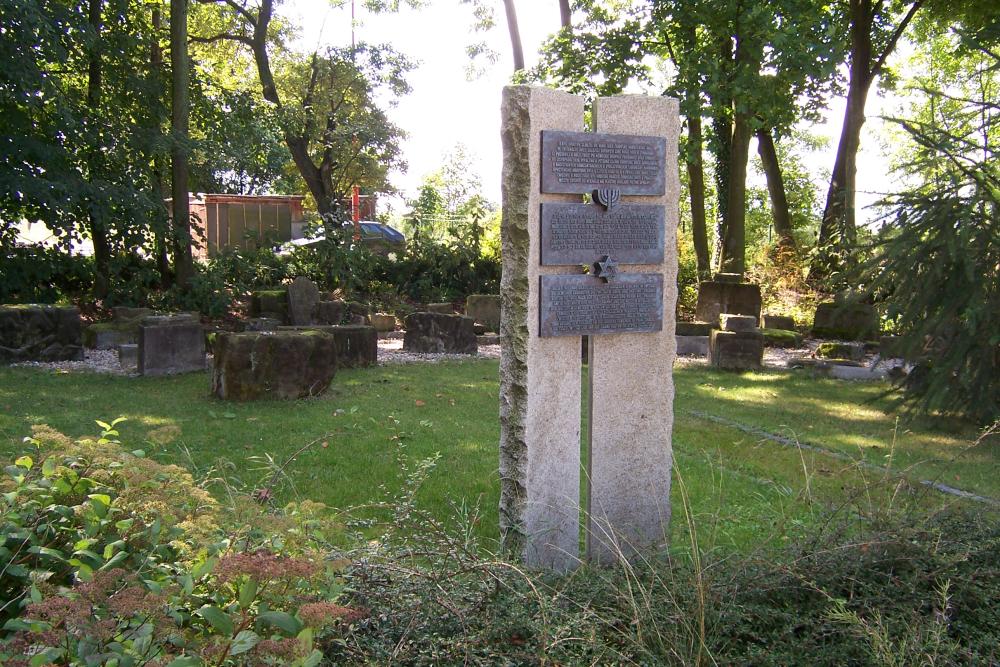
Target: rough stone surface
column 693, row 328
column 383, row 322
column 434, row 332
column 329, row 312
column 734, row 278
column 171, row 344
column 270, row 303
column 109, row 335
column 126, row 313
column 261, row 324
column 852, row 351
column 485, row 309
column 280, row 364
column 715, row 298
column 303, row 295
column 39, row 333
column 540, row 388
column 777, row 322
column 357, row 344
column 845, row 321
column 736, row 350
column 692, row 346
column 781, row 338
column 730, row 322
column 441, row 308
column 128, row 356
column 631, row 375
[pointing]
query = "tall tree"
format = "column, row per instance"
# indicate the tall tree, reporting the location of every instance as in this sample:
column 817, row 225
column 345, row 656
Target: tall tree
column 95, row 214
column 179, row 83
column 515, row 35
column 875, row 27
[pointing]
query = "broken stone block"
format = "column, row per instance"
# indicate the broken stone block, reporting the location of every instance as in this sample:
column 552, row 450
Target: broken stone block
column 731, row 322
column 693, row 329
column 781, row 338
column 273, row 364
column 303, row 295
column 435, row 332
column 736, row 350
column 852, row 351
column 39, row 333
column 383, row 322
column 715, row 298
column 441, row 308
column 357, row 345
column 270, row 303
column 170, row 344
column 692, row 346
column 329, row 312
column 484, row 309
column 846, row 321
column 777, row 322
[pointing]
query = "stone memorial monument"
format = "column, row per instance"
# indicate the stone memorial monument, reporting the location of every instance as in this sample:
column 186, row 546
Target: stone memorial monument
column 625, row 235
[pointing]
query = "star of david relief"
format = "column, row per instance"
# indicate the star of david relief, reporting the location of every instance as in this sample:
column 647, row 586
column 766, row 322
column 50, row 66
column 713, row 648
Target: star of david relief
column 606, row 269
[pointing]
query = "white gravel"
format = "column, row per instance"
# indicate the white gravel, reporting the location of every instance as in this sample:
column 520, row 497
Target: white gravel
column 94, row 361
column 390, row 351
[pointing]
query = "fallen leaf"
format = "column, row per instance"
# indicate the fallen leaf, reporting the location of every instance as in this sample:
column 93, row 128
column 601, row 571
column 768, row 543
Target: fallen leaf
column 438, row 395
column 325, row 444
column 419, row 403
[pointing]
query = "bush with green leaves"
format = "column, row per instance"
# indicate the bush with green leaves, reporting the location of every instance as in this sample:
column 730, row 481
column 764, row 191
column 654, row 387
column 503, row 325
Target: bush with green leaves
column 110, row 558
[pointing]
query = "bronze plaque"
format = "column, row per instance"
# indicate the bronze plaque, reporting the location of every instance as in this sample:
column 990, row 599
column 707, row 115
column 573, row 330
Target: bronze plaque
column 580, row 162
column 580, row 305
column 581, row 233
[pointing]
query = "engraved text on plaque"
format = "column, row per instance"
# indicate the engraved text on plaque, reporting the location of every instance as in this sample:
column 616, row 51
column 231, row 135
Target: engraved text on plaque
column 580, row 233
column 576, row 305
column 579, row 162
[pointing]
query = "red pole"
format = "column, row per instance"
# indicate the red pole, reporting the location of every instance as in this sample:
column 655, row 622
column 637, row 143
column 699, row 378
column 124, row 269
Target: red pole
column 356, row 211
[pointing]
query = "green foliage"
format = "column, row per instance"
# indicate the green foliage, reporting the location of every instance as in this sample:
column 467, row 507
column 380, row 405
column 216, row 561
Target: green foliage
column 936, row 261
column 110, row 558
column 36, row 274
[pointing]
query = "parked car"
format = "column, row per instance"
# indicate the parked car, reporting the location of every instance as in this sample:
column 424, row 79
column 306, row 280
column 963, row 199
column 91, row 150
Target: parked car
column 374, row 235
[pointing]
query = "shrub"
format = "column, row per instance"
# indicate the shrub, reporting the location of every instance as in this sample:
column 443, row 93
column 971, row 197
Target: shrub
column 110, row 558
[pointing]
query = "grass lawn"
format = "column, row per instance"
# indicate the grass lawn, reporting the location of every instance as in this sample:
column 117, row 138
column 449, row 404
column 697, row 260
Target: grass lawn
column 742, row 486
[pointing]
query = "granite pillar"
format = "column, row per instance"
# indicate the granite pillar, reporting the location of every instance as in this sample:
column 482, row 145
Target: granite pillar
column 540, row 382
column 631, row 381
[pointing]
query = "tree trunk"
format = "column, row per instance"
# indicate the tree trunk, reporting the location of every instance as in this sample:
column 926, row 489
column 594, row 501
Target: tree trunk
column 734, row 243
column 159, row 182
column 565, row 14
column 96, row 216
column 839, row 225
column 183, row 263
column 775, row 188
column 696, row 189
column 515, row 35
column 722, row 126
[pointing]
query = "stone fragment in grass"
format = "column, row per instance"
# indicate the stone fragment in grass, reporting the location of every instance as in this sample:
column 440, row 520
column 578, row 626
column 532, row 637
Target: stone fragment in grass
column 273, row 365
column 736, row 350
column 781, row 338
column 39, row 333
column 851, row 351
column 438, row 333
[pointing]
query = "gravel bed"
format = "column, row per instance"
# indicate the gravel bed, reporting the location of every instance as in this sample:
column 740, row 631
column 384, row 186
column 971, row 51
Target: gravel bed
column 94, row 361
column 390, row 351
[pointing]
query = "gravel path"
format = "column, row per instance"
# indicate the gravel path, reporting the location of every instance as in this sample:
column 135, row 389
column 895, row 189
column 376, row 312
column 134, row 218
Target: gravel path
column 390, row 351
column 94, row 361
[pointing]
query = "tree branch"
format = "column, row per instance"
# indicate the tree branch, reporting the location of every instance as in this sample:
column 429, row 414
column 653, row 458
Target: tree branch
column 221, row 36
column 237, row 7
column 897, row 33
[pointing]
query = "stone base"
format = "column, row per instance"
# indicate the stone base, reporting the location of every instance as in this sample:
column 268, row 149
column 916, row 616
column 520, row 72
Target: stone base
column 357, row 345
column 736, row 350
column 692, row 346
column 171, row 344
column 329, row 312
column 715, row 298
column 280, row 364
column 777, row 322
column 270, row 303
column 693, row 329
column 39, row 333
column 109, row 335
column 383, row 322
column 847, row 321
column 731, row 322
column 437, row 333
column 485, row 309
